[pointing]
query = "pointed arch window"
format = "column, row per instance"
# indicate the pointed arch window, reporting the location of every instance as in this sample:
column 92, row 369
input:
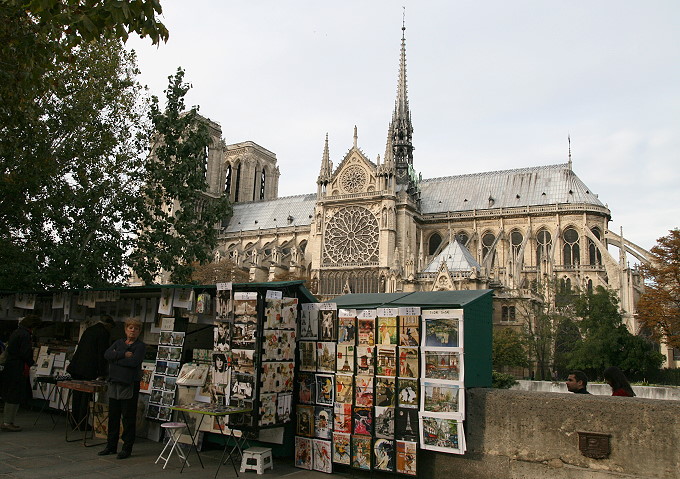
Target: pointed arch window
column 263, row 180
column 227, row 181
column 543, row 246
column 433, row 243
column 516, row 240
column 594, row 255
column 570, row 250
column 488, row 241
column 238, row 182
column 206, row 150
column 462, row 237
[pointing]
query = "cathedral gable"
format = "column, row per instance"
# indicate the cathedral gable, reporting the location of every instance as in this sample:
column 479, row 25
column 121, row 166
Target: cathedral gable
column 355, row 174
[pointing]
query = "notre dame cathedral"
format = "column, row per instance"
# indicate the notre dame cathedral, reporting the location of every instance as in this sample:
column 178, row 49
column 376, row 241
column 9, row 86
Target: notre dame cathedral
column 378, row 226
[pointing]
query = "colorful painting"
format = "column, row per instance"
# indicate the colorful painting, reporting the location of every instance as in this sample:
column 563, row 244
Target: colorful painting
column 441, row 434
column 361, row 452
column 325, row 356
column 407, row 458
column 365, row 363
column 366, row 332
column 323, row 422
column 385, row 391
column 325, row 389
column 341, row 448
column 305, row 420
column 408, row 362
column 344, row 388
column 347, row 331
column 387, row 331
column 442, row 363
column 383, row 424
column 386, row 360
column 303, row 453
column 342, row 418
column 345, row 359
column 322, row 456
column 442, row 396
column 362, row 418
column 409, row 331
column 363, row 391
column 407, row 393
column 384, row 455
column 443, row 328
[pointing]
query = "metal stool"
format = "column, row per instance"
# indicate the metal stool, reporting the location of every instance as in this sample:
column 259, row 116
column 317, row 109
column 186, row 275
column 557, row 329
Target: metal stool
column 257, row 459
column 174, row 430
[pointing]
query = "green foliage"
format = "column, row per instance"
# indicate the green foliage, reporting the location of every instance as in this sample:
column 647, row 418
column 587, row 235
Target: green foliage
column 502, row 380
column 606, row 340
column 178, row 226
column 509, row 349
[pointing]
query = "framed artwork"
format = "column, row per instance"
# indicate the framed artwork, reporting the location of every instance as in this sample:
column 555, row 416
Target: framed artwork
column 365, row 360
column 408, row 362
column 362, row 418
column 341, row 448
column 441, row 434
column 387, row 330
column 325, row 389
column 406, row 424
column 443, row 328
column 344, row 388
column 305, row 421
column 383, row 455
column 366, row 332
column 361, row 452
column 243, row 335
column 384, row 422
column 407, row 393
column 242, row 386
column 345, row 359
column 342, row 418
column 443, row 363
column 323, row 422
column 385, row 391
column 386, row 360
column 243, row 360
column 363, row 391
column 303, row 453
column 347, row 330
column 407, row 458
column 325, row 356
column 442, row 397
column 322, row 456
column 147, row 373
column 409, row 331
column 165, row 338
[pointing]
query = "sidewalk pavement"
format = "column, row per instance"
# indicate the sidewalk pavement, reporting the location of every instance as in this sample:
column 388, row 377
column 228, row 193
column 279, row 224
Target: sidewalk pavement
column 41, row 451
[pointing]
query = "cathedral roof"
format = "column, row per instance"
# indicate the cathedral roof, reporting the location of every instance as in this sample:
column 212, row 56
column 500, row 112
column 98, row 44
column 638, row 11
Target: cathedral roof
column 457, row 258
column 533, row 186
column 288, row 211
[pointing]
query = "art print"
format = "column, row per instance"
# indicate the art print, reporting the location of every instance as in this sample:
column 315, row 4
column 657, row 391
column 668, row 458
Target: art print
column 224, row 304
column 361, row 452
column 325, row 389
column 441, row 434
column 365, row 360
column 385, row 391
column 167, row 398
column 160, row 367
column 347, row 331
column 442, row 397
column 267, row 409
column 328, row 325
column 287, row 344
column 408, row 362
column 173, row 353
column 219, row 393
column 345, row 359
column 289, row 313
column 383, row 424
column 222, row 336
column 323, row 422
column 306, row 388
column 407, row 393
column 342, row 418
column 406, row 424
column 362, row 419
column 241, row 420
column 277, row 376
column 243, row 360
column 203, row 392
column 152, row 411
column 156, row 396
column 443, row 328
column 443, row 363
column 284, row 406
column 386, row 360
column 147, row 375
column 409, row 331
column 165, row 338
column 242, row 386
column 366, row 332
column 363, row 391
column 272, row 313
column 407, row 458
column 305, row 420
column 157, row 382
column 177, row 338
column 203, row 303
column 169, row 383
column 245, row 311
column 243, row 335
column 309, row 321
column 322, row 456
column 183, row 298
column 325, row 357
column 165, row 303
column 270, row 348
column 303, row 453
column 307, row 355
column 164, row 414
column 163, row 352
column 220, row 369
column 383, row 455
column 341, row 448
column 387, row 331
column 344, row 388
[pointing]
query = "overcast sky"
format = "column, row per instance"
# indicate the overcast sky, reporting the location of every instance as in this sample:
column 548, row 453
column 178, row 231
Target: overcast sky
column 492, row 85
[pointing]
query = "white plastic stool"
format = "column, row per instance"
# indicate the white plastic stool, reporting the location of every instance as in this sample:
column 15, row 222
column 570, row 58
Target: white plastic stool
column 257, row 459
column 174, row 430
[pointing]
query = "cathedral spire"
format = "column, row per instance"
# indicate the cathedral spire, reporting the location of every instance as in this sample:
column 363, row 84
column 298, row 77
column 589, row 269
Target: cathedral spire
column 569, row 142
column 326, row 168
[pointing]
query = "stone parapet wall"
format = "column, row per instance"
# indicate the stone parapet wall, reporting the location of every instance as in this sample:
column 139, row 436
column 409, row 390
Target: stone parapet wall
column 532, row 435
column 647, row 392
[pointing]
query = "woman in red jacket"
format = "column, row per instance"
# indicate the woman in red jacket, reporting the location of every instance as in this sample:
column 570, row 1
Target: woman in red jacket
column 618, row 382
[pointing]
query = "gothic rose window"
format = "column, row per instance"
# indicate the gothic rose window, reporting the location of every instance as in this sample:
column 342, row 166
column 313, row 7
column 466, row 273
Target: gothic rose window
column 351, row 237
column 353, row 179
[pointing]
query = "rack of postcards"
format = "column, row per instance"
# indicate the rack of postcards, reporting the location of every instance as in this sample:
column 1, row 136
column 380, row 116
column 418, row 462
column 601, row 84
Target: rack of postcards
column 396, row 385
column 164, row 377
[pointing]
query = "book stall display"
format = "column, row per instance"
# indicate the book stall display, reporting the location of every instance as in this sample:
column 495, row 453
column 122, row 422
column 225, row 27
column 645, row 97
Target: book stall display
column 395, row 386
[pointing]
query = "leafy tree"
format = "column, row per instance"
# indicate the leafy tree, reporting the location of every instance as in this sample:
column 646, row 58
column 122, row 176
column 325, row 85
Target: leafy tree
column 606, row 340
column 509, row 349
column 659, row 306
column 178, row 225
column 502, row 380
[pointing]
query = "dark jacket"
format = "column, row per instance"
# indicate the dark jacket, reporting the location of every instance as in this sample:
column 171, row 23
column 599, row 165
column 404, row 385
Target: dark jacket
column 88, row 362
column 19, row 355
column 121, row 369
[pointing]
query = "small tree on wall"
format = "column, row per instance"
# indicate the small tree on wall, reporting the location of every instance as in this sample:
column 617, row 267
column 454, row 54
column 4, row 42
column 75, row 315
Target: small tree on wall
column 223, row 271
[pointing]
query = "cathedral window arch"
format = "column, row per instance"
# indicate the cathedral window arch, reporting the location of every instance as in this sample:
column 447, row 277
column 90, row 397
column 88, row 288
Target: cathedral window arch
column 543, row 245
column 488, row 241
column 594, row 255
column 571, row 253
column 462, row 237
column 433, row 243
column 227, row 180
column 237, row 186
column 516, row 240
column 263, row 181
column 206, row 150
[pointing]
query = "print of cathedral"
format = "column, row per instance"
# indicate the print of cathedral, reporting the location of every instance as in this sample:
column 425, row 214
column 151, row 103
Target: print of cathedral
column 377, row 226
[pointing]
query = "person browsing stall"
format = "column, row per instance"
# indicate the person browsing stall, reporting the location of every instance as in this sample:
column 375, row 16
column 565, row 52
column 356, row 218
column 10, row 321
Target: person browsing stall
column 125, row 358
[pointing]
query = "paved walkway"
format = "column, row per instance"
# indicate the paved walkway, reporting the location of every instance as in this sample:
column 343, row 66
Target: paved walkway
column 41, row 451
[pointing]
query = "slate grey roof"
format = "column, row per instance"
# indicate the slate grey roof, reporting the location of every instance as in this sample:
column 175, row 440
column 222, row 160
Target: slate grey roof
column 534, row 186
column 270, row 214
column 457, row 258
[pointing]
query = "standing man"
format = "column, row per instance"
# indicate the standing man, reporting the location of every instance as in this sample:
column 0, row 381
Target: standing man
column 577, row 382
column 88, row 363
column 125, row 358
